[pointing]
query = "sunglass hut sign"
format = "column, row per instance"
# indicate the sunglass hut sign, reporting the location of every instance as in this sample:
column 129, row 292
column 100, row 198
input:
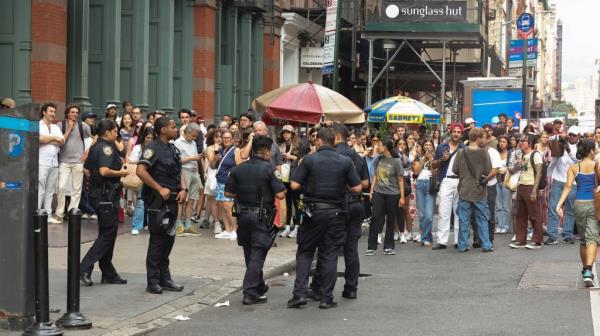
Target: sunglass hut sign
column 424, row 11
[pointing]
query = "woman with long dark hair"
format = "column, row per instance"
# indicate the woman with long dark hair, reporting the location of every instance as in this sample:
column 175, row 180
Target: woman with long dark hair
column 436, row 137
column 585, row 173
column 387, row 197
column 425, row 199
column 406, row 155
column 503, row 194
column 213, row 144
column 289, row 146
column 223, row 162
column 144, row 138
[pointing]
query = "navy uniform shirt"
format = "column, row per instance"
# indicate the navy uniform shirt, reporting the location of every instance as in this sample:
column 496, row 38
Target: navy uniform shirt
column 164, row 165
column 103, row 154
column 360, row 165
column 325, row 175
column 244, row 181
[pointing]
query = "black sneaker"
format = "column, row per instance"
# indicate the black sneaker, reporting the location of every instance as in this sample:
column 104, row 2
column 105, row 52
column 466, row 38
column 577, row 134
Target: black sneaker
column 568, row 240
column 534, row 246
column 439, row 247
column 551, row 241
column 476, row 244
column 389, row 252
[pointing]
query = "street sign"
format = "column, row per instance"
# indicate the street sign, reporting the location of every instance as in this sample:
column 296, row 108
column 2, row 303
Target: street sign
column 525, row 24
column 515, row 52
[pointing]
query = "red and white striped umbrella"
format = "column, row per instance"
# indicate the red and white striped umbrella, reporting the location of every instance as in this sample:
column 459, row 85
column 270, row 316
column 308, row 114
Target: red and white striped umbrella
column 307, row 103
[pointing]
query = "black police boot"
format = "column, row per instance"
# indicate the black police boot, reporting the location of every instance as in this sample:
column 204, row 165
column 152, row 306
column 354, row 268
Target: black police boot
column 314, row 295
column 296, row 302
column 171, row 286
column 85, row 280
column 349, row 294
column 114, row 281
column 154, row 289
column 327, row 305
column 252, row 300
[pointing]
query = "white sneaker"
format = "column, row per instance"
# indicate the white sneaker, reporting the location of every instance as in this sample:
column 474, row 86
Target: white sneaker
column 135, row 232
column 294, row 233
column 285, row 232
column 85, row 216
column 379, row 240
column 233, row 235
column 54, row 220
column 222, row 235
column 402, row 239
column 396, row 236
column 94, row 217
column 408, row 236
column 529, row 235
column 503, row 231
column 218, row 229
column 417, row 238
column 514, row 238
column 497, row 230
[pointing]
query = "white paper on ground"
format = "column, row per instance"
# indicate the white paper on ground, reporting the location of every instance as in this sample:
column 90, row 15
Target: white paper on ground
column 222, row 304
column 182, row 318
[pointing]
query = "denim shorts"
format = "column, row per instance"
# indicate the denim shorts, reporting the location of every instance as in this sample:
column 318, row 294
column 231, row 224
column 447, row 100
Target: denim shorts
column 220, row 193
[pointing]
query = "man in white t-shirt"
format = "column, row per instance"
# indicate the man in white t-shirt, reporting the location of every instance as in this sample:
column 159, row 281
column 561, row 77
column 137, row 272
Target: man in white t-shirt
column 51, row 138
column 190, row 173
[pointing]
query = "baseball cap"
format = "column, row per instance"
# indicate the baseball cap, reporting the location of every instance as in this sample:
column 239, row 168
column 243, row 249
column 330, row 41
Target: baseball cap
column 574, row 130
column 110, row 106
column 87, row 114
column 9, row 102
column 470, row 121
column 288, row 128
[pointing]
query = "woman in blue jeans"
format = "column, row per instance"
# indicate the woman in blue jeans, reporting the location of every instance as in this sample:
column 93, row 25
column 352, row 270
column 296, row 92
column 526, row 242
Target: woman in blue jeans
column 425, row 199
column 503, row 194
column 145, row 137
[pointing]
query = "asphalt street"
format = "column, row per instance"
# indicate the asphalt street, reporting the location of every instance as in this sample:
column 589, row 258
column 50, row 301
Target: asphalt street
column 425, row 292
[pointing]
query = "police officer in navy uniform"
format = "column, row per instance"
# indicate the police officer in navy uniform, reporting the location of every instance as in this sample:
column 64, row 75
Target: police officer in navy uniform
column 254, row 185
column 324, row 176
column 164, row 187
column 104, row 164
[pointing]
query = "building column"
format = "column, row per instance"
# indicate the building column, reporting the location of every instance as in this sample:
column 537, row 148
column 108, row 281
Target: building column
column 141, row 34
column 112, row 55
column 205, row 59
column 48, row 53
column 232, row 56
column 245, row 64
column 165, row 55
column 258, row 30
column 272, row 52
column 77, row 53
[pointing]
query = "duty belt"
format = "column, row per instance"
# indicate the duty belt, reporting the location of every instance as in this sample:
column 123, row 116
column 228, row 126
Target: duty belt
column 323, row 206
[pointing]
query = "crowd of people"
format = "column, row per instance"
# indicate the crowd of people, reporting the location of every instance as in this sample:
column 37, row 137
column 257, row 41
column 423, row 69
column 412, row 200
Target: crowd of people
column 495, row 179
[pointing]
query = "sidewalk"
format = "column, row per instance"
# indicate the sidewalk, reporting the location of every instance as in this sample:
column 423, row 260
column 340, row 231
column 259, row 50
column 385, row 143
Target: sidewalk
column 210, row 270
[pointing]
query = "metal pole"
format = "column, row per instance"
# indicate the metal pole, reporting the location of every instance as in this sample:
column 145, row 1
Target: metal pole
column 525, row 111
column 42, row 325
column 370, row 75
column 387, row 74
column 454, row 94
column 443, row 86
column 73, row 318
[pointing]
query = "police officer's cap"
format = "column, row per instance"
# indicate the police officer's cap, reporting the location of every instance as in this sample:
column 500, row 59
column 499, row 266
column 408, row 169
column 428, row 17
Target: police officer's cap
column 261, row 142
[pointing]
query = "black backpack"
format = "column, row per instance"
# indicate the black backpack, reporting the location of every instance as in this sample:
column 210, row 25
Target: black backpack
column 543, row 179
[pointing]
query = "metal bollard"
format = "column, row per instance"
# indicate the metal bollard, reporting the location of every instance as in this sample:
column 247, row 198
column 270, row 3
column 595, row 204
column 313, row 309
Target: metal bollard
column 42, row 326
column 72, row 317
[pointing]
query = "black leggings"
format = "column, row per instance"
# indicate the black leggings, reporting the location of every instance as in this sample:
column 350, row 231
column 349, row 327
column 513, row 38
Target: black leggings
column 291, row 198
column 385, row 210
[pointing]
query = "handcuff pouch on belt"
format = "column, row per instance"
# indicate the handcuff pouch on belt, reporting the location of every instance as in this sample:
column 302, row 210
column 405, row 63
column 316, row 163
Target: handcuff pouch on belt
column 161, row 219
column 109, row 193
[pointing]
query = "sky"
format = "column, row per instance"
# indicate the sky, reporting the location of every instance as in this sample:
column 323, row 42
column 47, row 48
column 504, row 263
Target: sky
column 581, row 44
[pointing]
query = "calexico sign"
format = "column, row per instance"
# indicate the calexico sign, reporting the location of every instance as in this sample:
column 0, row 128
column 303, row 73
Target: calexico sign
column 423, row 11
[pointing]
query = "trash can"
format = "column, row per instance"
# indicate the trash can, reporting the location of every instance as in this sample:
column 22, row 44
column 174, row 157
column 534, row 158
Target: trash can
column 19, row 144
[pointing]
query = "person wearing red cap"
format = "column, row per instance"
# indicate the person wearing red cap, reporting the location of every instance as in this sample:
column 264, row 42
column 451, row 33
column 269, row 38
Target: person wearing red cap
column 444, row 158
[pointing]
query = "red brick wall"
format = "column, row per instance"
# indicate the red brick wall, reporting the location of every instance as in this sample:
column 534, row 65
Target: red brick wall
column 271, row 61
column 49, row 51
column 204, row 60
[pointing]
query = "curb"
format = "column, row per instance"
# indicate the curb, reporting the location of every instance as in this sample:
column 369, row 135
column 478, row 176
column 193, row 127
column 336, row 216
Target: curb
column 187, row 305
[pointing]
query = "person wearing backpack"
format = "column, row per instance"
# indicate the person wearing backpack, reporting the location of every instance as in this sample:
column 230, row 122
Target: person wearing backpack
column 560, row 167
column 527, row 201
column 71, row 157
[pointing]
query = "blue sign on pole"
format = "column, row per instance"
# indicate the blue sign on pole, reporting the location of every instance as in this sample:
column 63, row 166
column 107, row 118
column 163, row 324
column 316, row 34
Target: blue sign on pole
column 525, row 23
column 516, row 50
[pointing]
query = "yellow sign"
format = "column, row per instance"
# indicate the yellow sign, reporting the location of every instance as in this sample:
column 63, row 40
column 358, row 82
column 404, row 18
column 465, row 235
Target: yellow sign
column 405, row 119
